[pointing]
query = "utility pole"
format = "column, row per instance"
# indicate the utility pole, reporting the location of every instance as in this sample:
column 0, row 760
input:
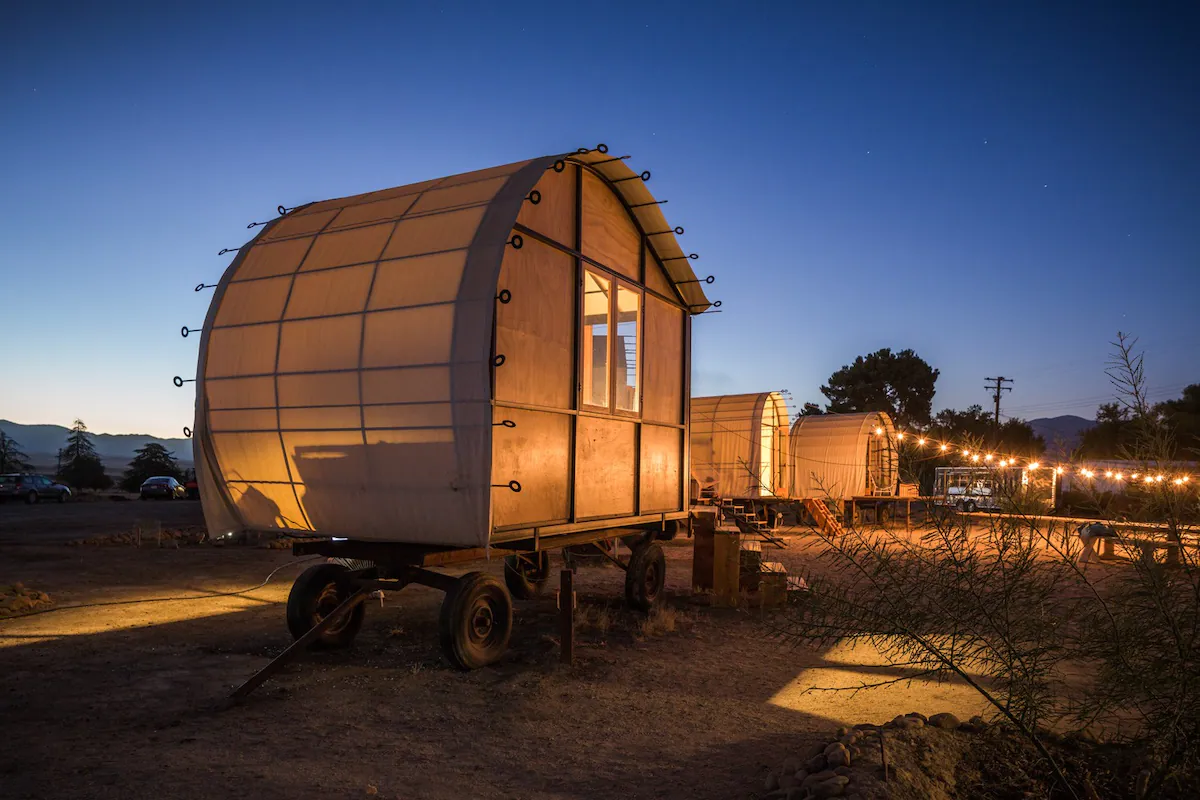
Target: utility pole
column 997, row 387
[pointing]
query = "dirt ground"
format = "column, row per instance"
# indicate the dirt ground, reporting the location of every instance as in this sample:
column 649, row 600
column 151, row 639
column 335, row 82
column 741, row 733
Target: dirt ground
column 125, row 699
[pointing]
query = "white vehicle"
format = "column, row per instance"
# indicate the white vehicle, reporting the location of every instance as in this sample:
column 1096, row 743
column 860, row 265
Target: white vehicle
column 975, row 488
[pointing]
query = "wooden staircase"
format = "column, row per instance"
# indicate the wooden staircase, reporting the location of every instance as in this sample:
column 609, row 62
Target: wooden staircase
column 829, row 524
column 749, row 522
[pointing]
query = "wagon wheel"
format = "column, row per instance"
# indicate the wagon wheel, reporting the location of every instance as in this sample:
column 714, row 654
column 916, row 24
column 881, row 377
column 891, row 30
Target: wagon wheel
column 476, row 621
column 645, row 576
column 318, row 591
column 525, row 574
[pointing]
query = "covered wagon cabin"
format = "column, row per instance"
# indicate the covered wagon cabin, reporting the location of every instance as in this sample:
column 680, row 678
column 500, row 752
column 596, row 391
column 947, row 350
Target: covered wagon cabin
column 424, row 375
column 739, row 446
column 836, row 458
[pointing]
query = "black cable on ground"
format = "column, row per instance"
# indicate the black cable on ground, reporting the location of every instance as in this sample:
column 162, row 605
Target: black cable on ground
column 178, row 598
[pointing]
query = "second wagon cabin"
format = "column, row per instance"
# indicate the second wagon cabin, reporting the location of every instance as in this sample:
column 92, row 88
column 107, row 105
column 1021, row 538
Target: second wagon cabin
column 739, row 446
column 415, row 376
column 843, row 456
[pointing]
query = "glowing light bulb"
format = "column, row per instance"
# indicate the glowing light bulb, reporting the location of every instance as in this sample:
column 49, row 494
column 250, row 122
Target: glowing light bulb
column 899, row 437
column 1118, row 476
column 920, row 442
column 988, row 457
column 1133, row 476
column 1186, row 478
column 945, row 447
column 1178, row 481
column 1034, row 465
column 1058, row 470
column 966, row 452
column 1158, row 478
column 1108, row 473
column 879, row 431
column 975, row 457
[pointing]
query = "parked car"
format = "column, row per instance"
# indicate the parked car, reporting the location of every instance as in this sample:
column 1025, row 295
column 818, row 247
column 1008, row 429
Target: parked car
column 163, row 487
column 32, row 488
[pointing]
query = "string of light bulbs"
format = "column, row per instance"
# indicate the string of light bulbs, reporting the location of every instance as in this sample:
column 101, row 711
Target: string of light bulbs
column 989, row 460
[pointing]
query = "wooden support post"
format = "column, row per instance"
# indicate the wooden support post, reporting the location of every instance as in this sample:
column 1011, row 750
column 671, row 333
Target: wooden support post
column 566, row 616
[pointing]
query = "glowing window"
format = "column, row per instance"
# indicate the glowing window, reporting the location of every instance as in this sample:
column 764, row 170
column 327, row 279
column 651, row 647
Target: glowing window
column 597, row 319
column 629, row 305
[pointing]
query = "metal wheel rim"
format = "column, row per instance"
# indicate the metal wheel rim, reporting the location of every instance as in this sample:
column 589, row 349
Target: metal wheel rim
column 327, row 601
column 530, row 568
column 651, row 579
column 482, row 627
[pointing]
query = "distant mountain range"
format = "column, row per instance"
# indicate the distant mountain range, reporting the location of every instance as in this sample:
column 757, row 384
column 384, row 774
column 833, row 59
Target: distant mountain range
column 42, row 442
column 1063, row 432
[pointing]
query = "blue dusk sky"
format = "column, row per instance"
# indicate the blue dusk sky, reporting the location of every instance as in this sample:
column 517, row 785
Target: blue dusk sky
column 999, row 186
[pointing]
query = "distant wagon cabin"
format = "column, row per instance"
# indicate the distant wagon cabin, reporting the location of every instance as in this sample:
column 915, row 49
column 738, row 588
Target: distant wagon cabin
column 842, row 456
column 497, row 359
column 739, row 446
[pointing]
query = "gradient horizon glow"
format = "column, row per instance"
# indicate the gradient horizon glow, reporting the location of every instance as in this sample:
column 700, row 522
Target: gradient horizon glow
column 999, row 187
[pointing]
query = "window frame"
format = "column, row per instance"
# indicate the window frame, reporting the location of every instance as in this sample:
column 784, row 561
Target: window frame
column 616, row 282
column 639, row 291
column 584, row 341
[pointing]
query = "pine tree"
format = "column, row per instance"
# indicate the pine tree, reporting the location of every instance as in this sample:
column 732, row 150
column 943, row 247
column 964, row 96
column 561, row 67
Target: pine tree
column 12, row 458
column 151, row 461
column 79, row 464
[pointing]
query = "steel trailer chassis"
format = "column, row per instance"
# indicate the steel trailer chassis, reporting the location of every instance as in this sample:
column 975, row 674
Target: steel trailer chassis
column 326, row 605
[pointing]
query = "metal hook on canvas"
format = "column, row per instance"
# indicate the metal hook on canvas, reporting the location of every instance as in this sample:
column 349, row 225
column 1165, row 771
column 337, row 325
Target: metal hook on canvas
column 678, row 231
column 610, row 160
column 284, row 210
column 200, row 287
column 178, row 381
column 499, row 360
column 507, row 423
column 504, row 297
column 516, row 241
column 559, row 165
column 651, row 203
column 185, row 330
column 709, row 279
column 717, row 304
column 534, row 197
column 692, row 256
column 645, row 176
column 187, row 431
column 256, row 224
column 229, row 250
column 513, row 485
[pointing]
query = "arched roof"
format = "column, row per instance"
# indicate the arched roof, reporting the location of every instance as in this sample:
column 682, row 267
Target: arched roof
column 726, row 444
column 829, row 452
column 343, row 383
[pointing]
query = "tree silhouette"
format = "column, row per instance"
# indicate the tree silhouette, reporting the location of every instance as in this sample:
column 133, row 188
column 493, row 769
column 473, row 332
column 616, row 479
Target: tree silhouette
column 1111, row 434
column 902, row 384
column 1183, row 418
column 977, row 427
column 78, row 463
column 12, row 458
column 151, row 461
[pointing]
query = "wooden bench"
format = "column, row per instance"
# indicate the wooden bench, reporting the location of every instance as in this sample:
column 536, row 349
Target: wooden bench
column 1107, row 538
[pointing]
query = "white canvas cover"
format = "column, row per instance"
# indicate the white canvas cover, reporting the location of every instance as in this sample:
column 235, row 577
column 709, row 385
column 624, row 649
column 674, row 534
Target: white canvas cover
column 738, row 445
column 843, row 455
column 344, row 383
